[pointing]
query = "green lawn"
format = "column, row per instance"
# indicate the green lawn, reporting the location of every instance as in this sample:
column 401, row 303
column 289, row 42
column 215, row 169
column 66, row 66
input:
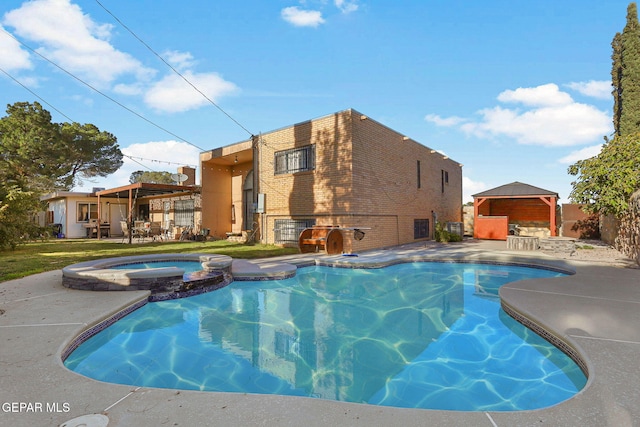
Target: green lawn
column 39, row 257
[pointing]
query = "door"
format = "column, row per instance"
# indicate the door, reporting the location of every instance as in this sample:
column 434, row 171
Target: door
column 117, row 213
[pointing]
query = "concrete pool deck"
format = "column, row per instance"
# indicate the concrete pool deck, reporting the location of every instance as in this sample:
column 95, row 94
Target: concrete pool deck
column 597, row 310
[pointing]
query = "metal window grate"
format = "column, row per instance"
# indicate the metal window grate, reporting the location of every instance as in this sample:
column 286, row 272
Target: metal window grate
column 456, row 228
column 420, row 228
column 295, row 160
column 288, row 230
column 183, row 211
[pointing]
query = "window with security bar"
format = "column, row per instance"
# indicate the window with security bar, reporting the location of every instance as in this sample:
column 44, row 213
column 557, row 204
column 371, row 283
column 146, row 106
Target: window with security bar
column 420, row 228
column 295, row 160
column 183, row 212
column 288, row 230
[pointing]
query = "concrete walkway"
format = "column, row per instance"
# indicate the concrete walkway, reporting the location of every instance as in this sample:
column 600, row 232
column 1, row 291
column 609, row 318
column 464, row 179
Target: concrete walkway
column 596, row 310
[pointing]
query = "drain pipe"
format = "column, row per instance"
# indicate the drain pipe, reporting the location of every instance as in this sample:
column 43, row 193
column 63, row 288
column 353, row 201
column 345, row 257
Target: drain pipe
column 434, row 217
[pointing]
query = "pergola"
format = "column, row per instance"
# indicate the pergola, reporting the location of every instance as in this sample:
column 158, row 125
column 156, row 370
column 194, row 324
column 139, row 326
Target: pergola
column 140, row 189
column 515, row 203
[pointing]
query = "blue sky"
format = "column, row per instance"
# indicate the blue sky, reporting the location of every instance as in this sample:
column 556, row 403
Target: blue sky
column 513, row 90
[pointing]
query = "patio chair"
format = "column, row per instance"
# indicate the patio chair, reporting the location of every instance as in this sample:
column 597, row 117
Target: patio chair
column 155, row 231
column 125, row 230
column 138, row 233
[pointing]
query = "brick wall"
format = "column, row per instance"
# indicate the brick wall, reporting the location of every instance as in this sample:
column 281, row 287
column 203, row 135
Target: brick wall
column 365, row 176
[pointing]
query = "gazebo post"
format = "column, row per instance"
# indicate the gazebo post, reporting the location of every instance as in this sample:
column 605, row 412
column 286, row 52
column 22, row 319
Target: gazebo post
column 130, row 218
column 477, row 201
column 552, row 213
column 99, row 219
column 552, row 203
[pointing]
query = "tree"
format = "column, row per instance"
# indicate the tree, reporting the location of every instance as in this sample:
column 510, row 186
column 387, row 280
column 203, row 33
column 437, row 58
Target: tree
column 28, row 158
column 88, row 153
column 40, row 156
column 16, row 207
column 626, row 75
column 606, row 182
column 616, row 76
column 151, row 177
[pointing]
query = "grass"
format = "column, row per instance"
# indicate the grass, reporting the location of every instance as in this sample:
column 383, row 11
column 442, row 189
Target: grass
column 584, row 247
column 38, row 257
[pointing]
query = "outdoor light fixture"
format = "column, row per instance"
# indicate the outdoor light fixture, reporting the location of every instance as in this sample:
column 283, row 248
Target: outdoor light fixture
column 236, row 161
column 363, row 117
column 405, row 138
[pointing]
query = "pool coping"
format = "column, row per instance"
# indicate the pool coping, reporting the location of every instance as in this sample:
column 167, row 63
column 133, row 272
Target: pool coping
column 41, row 318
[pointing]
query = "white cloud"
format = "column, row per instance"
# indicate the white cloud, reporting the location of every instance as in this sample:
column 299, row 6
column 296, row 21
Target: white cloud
column 346, row 6
column 581, row 154
column 163, row 151
column 74, row 41
column 172, row 94
column 128, row 89
column 168, row 156
column 12, row 56
column 552, row 119
column 600, row 89
column 444, row 121
column 179, row 60
column 470, row 187
column 541, row 96
column 302, row 18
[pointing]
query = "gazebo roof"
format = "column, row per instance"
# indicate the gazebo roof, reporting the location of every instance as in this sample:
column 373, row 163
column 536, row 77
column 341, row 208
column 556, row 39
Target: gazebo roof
column 516, row 189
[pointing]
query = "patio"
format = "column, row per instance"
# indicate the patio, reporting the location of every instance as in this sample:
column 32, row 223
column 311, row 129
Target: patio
column 596, row 310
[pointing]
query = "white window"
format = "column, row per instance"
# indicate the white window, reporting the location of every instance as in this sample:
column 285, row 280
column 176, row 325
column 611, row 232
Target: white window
column 87, row 211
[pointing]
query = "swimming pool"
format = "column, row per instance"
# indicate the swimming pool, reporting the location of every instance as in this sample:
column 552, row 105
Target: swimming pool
column 422, row 335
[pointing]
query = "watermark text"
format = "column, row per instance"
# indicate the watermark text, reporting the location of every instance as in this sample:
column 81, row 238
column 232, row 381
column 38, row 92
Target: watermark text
column 32, row 407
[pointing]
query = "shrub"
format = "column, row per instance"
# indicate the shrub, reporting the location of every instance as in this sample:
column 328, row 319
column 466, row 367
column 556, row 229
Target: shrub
column 443, row 235
column 15, row 225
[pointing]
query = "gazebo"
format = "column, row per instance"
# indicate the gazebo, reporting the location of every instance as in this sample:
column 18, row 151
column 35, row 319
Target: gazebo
column 515, row 208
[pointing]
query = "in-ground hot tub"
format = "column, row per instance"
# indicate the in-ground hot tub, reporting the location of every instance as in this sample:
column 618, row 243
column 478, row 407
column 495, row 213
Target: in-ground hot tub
column 112, row 274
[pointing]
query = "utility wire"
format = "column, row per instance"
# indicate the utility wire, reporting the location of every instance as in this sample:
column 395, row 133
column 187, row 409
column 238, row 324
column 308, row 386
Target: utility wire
column 36, row 95
column 101, row 93
column 71, row 120
column 135, row 161
column 157, row 161
column 174, row 70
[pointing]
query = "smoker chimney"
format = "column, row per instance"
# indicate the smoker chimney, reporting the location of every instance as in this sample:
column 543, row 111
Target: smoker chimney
column 190, row 173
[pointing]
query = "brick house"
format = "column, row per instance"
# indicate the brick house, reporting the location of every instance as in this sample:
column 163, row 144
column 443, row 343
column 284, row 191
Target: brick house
column 341, row 169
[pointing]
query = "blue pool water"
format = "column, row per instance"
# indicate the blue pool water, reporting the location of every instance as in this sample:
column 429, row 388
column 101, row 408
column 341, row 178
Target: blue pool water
column 422, row 335
column 187, row 266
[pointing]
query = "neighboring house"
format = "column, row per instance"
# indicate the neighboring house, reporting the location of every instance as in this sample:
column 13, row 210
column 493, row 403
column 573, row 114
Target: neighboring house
column 175, row 206
column 71, row 211
column 343, row 169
